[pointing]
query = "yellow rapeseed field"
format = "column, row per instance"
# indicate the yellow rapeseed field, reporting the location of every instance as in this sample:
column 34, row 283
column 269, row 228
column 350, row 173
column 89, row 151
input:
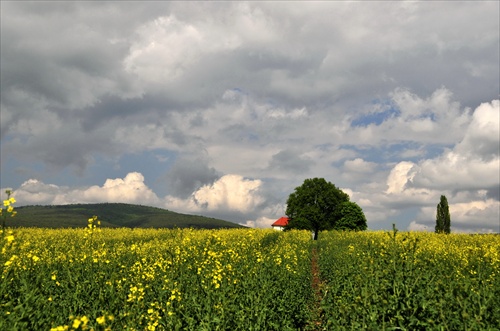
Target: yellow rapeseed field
column 245, row 279
column 150, row 279
column 411, row 280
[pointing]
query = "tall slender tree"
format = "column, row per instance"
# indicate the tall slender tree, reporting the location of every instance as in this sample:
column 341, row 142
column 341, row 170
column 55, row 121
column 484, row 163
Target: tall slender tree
column 443, row 219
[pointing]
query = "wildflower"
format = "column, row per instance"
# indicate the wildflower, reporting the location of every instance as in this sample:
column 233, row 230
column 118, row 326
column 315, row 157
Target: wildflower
column 76, row 323
column 9, row 262
column 83, row 321
column 101, row 320
column 60, row 328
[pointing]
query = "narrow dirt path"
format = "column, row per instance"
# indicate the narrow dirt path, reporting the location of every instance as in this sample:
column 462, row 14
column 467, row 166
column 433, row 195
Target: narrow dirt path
column 317, row 284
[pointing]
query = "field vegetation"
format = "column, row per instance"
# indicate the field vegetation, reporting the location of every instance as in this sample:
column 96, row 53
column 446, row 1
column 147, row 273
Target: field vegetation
column 147, row 279
column 97, row 278
column 410, row 281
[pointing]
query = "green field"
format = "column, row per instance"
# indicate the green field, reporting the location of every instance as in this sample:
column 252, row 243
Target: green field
column 247, row 279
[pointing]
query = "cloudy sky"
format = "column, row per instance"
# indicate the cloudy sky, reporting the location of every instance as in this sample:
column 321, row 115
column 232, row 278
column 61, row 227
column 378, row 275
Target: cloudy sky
column 223, row 108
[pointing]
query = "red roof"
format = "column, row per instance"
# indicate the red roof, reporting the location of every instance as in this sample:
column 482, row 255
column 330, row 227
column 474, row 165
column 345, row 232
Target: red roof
column 281, row 222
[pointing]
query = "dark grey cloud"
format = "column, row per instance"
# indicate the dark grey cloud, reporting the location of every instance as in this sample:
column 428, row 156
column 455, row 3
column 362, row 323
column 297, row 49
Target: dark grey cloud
column 494, row 192
column 290, row 161
column 113, row 107
column 63, row 62
column 64, row 147
column 189, row 174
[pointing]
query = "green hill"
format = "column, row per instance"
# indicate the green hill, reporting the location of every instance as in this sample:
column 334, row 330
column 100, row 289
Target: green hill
column 111, row 215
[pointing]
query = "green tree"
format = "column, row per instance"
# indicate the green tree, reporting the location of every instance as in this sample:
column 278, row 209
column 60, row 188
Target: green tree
column 313, row 205
column 350, row 216
column 443, row 219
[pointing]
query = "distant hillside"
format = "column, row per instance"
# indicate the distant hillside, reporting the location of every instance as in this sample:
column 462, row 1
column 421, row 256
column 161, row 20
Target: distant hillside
column 111, row 215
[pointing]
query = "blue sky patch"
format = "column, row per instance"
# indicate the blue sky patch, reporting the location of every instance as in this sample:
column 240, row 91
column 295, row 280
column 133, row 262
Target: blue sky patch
column 386, row 111
column 405, row 151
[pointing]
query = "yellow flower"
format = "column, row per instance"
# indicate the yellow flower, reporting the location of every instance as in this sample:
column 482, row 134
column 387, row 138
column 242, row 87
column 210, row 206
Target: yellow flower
column 60, row 328
column 76, row 323
column 6, row 203
column 101, row 320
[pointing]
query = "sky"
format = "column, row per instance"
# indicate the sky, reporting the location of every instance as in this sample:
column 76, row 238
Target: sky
column 222, row 109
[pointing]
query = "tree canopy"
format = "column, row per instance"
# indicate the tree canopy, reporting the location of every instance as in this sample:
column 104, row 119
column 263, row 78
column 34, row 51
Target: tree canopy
column 350, row 216
column 319, row 205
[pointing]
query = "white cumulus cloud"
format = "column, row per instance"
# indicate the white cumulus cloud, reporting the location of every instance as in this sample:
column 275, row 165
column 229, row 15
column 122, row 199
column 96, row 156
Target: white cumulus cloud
column 230, row 193
column 261, row 222
column 130, row 189
column 474, row 163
